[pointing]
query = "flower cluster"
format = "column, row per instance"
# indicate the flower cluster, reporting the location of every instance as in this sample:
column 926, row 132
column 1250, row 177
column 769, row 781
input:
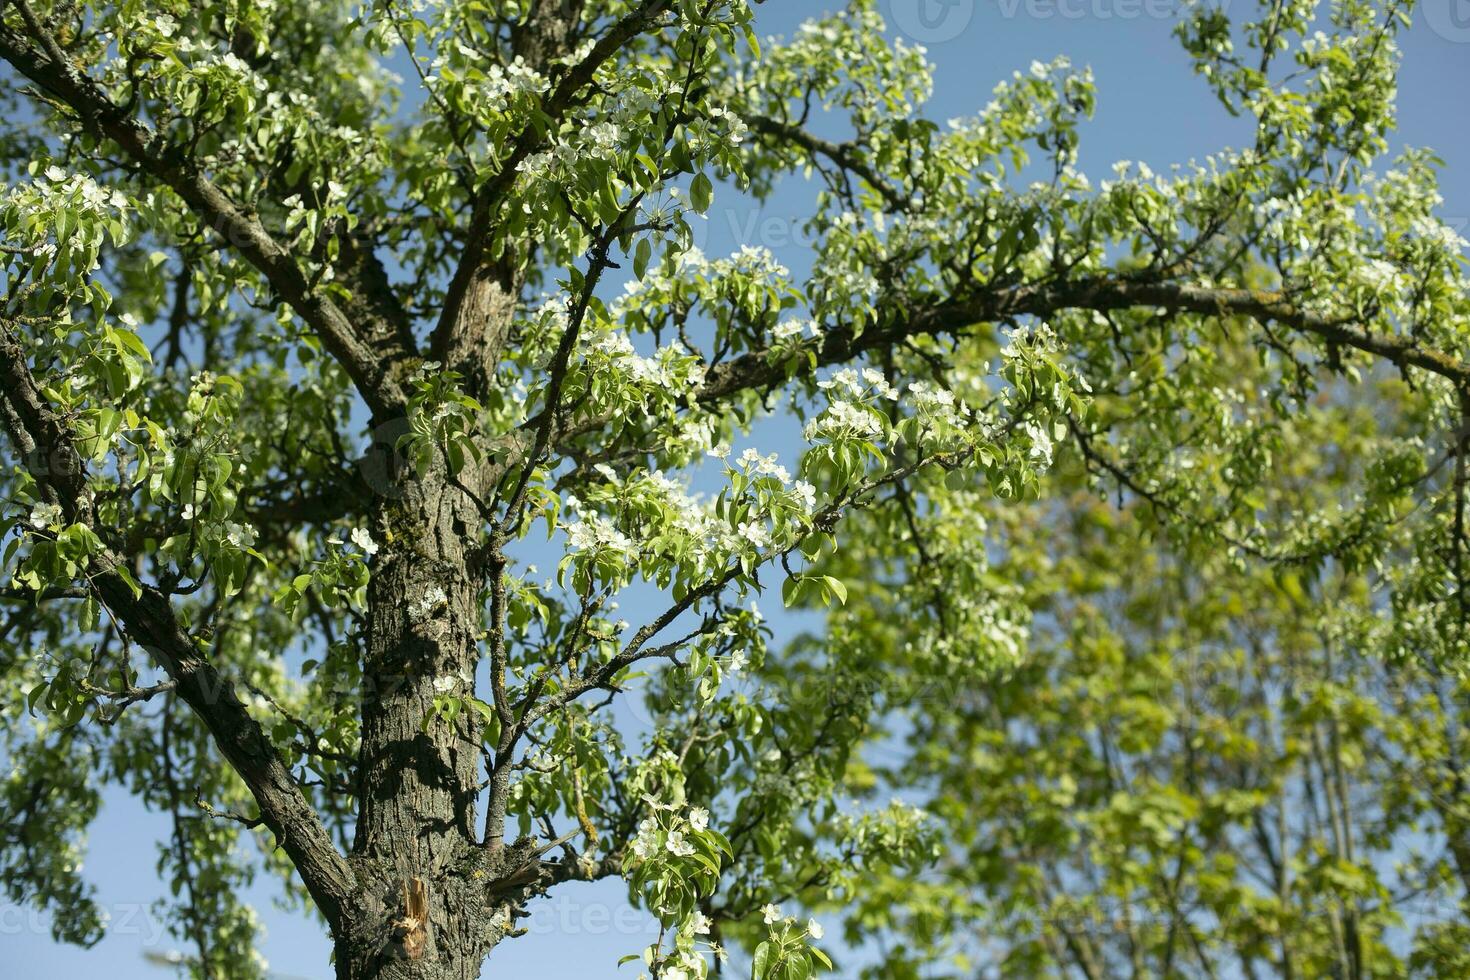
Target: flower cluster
column 792, row 328
column 493, row 85
column 669, row 367
column 675, row 863
column 668, row 832
column 844, row 420
column 595, row 533
column 851, row 414
column 84, row 190
column 664, row 532
column 44, row 516
column 906, row 833
column 787, row 949
column 60, row 223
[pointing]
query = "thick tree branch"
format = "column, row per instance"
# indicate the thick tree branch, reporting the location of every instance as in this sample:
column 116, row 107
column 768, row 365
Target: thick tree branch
column 457, row 330
column 1262, row 305
column 47, row 67
column 45, row 445
column 757, row 370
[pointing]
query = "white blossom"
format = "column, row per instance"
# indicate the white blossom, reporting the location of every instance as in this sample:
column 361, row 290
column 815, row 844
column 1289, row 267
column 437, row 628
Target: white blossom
column 787, row 329
column 45, row 515
column 677, row 845
column 806, row 493
column 594, row 532
column 647, row 840
column 240, row 535
column 755, row 532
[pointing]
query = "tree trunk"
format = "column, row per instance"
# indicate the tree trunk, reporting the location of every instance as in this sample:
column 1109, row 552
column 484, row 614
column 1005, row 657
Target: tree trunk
column 418, row 776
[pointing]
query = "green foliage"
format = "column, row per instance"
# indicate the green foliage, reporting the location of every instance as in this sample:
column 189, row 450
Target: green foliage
column 1133, row 510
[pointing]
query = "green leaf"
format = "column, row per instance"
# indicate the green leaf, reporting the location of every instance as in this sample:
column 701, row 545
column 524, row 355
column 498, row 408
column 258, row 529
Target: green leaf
column 761, row 962
column 35, row 695
column 124, row 573
column 641, row 255
column 701, row 193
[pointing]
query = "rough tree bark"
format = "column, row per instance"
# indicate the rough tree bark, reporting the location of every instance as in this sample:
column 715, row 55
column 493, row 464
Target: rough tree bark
column 419, row 783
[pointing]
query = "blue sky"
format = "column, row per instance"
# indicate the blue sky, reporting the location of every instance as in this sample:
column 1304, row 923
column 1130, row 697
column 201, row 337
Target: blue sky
column 1151, row 108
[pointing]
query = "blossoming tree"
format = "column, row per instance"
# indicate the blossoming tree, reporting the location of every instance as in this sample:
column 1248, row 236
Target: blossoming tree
column 305, row 365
